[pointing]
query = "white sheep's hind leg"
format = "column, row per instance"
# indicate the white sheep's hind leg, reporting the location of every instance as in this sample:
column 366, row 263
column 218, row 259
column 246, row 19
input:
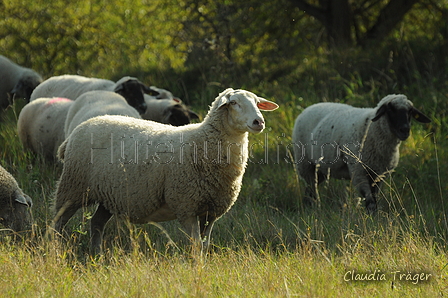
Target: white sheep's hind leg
column 192, row 227
column 97, row 224
column 63, row 212
column 206, row 226
column 68, row 199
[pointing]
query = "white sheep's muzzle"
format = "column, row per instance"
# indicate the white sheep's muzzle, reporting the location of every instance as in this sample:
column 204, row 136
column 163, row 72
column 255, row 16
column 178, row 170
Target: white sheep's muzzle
column 257, row 126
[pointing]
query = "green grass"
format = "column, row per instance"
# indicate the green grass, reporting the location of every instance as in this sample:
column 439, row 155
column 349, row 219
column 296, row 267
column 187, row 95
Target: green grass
column 267, row 245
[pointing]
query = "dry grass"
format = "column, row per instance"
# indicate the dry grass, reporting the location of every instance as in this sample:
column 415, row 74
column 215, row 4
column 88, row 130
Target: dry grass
column 48, row 271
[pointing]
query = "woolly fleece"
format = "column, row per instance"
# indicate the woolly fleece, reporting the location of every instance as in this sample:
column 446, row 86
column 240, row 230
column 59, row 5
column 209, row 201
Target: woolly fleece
column 41, row 125
column 70, row 86
column 97, row 103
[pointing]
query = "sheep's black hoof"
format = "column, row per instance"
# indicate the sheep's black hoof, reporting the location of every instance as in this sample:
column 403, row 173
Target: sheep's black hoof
column 371, row 207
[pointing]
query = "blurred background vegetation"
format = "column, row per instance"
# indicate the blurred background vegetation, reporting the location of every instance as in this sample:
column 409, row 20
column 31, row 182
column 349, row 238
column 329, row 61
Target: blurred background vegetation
column 295, row 52
column 333, row 49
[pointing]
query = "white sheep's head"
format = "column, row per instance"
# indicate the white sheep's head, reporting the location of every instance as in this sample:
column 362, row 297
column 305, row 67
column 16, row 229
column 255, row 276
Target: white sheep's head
column 399, row 112
column 244, row 109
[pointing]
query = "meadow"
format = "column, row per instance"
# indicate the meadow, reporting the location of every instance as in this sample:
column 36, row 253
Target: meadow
column 268, row 245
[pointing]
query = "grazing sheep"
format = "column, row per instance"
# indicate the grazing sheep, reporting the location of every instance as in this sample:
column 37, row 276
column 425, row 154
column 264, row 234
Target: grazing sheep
column 164, row 94
column 72, row 86
column 147, row 171
column 41, row 125
column 133, row 91
column 344, row 142
column 69, row 86
column 168, row 111
column 16, row 81
column 14, row 204
column 97, row 103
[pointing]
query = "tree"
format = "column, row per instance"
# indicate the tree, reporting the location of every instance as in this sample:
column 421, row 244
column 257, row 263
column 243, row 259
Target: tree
column 350, row 23
column 81, row 37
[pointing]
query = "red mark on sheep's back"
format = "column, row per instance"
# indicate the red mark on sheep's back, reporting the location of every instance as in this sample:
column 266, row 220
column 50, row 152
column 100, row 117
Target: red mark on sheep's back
column 57, row 99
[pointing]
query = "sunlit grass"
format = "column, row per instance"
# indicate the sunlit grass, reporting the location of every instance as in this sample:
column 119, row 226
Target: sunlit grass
column 248, row 272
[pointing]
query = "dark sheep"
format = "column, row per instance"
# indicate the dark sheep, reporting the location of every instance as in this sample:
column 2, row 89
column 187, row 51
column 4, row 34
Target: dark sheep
column 16, row 81
column 14, row 204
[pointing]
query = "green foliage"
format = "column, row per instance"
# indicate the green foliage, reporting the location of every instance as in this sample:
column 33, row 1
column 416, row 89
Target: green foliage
column 189, row 46
column 81, row 37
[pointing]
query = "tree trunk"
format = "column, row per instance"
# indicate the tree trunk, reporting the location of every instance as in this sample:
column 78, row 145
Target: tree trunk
column 336, row 17
column 387, row 20
column 339, row 24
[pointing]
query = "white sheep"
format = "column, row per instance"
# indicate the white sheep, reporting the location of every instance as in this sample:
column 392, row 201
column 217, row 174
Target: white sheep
column 167, row 110
column 43, row 124
column 146, row 171
column 97, row 103
column 16, row 81
column 72, row 86
column 40, row 125
column 344, row 142
column 15, row 206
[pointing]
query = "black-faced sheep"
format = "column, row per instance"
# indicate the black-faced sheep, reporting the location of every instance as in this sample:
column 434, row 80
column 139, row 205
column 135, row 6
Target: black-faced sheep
column 16, row 81
column 146, row 171
column 168, row 111
column 344, row 142
column 14, row 204
column 72, row 86
column 40, row 126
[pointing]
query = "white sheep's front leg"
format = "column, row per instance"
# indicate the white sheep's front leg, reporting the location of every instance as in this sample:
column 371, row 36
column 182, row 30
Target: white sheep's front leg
column 206, row 225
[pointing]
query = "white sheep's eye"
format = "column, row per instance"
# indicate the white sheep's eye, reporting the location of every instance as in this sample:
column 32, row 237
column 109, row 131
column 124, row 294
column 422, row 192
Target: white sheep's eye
column 232, row 102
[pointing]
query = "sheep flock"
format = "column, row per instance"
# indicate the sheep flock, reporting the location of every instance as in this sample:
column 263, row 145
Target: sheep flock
column 132, row 151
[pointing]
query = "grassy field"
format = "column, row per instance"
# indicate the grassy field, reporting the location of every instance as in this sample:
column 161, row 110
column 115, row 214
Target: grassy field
column 268, row 245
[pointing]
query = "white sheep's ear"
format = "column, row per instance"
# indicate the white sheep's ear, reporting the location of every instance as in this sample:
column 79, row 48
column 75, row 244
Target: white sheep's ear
column 224, row 97
column 266, row 105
